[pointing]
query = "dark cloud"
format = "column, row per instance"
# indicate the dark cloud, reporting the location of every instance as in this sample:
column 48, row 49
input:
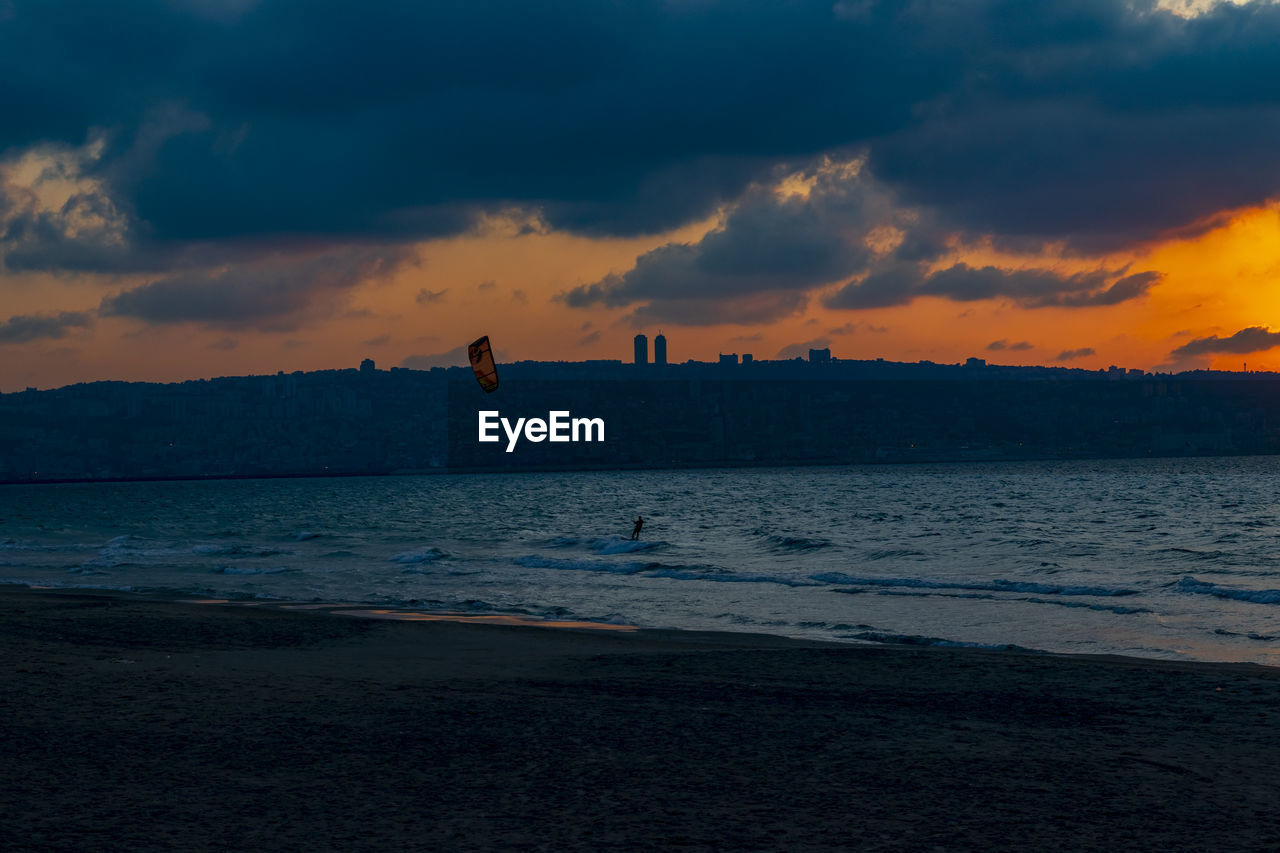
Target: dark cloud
column 426, row 297
column 225, row 344
column 628, row 118
column 1252, row 339
column 486, row 285
column 894, row 284
column 30, row 327
column 1072, row 354
column 1124, row 289
column 750, row 310
column 1095, row 123
column 519, row 297
column 589, row 338
column 274, row 295
column 902, row 283
column 770, row 249
column 33, row 239
column 1002, row 344
column 380, row 341
column 852, row 327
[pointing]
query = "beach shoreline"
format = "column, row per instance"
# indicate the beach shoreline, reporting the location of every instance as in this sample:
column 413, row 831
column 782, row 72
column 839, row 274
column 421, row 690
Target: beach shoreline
column 132, row 722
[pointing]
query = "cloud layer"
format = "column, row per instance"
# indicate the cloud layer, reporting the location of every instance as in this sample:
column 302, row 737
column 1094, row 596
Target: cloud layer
column 1027, row 288
column 23, row 328
column 195, row 141
column 1095, row 122
column 1243, row 342
column 271, row 295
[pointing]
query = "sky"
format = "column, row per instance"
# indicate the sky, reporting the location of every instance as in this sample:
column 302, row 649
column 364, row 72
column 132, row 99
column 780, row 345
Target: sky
column 199, row 188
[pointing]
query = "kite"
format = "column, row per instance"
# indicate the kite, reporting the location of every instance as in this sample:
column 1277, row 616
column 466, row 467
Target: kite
column 481, row 356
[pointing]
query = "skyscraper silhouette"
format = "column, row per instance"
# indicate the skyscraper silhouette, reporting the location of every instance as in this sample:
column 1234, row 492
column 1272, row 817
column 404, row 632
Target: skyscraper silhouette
column 660, row 349
column 642, row 349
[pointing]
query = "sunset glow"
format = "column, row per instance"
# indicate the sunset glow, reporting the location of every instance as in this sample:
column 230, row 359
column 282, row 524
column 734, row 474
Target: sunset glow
column 122, row 260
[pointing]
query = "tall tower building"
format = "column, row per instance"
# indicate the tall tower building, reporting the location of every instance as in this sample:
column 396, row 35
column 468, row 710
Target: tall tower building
column 642, row 349
column 660, row 349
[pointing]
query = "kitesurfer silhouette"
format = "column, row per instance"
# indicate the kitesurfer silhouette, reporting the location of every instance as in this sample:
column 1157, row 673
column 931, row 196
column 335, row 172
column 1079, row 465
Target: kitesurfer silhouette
column 635, row 534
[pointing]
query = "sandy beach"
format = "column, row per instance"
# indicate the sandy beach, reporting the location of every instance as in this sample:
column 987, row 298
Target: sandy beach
column 132, row 723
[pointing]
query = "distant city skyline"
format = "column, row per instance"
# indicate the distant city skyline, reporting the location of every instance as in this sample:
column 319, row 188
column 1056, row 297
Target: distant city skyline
column 234, row 188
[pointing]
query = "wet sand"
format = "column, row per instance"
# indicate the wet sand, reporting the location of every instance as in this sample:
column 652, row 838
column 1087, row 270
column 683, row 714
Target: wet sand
column 129, row 723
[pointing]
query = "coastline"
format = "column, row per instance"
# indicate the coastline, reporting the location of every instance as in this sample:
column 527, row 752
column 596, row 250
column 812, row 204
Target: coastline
column 869, row 461
column 138, row 723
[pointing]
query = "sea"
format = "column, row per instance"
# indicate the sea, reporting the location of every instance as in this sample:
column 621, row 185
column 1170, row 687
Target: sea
column 1155, row 558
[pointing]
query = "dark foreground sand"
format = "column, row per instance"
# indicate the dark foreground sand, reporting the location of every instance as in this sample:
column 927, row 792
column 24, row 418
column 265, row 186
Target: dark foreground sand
column 132, row 724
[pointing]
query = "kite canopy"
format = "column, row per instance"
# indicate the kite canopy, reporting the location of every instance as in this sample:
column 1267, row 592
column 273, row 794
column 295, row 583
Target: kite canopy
column 481, row 356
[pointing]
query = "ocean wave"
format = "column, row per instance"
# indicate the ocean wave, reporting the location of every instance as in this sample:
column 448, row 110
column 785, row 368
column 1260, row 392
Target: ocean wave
column 425, row 556
column 725, row 577
column 612, row 544
column 619, row 545
column 304, row 535
column 1104, row 608
column 892, row 553
column 86, row 569
column 991, row 586
column 781, row 542
column 918, row 640
column 534, row 561
column 669, row 571
column 248, row 570
column 234, row 551
column 1250, row 635
column 986, row 596
column 139, row 546
column 1191, row 586
column 15, row 545
column 1196, row 554
column 837, row 626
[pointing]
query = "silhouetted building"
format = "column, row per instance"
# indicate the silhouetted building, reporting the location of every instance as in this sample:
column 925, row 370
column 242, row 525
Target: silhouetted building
column 820, row 356
column 660, row 349
column 747, row 358
column 642, row 349
column 367, row 366
column 728, row 358
column 975, row 362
